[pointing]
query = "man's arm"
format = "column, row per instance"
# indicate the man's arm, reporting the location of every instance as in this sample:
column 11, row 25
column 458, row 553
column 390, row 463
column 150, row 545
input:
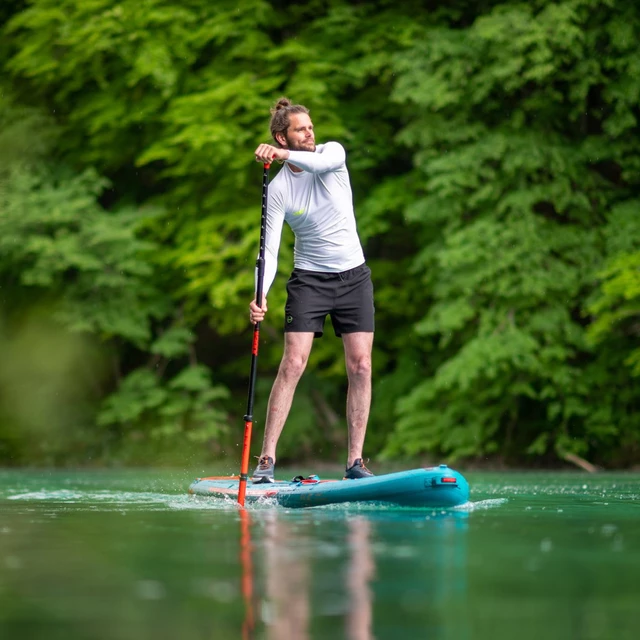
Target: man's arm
column 331, row 157
column 273, row 235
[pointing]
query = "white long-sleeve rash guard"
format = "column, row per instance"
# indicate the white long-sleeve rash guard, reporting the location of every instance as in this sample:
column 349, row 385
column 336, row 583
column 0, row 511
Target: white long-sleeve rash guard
column 317, row 204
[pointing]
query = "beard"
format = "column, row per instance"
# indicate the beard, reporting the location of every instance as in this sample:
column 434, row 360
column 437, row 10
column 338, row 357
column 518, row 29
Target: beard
column 301, row 146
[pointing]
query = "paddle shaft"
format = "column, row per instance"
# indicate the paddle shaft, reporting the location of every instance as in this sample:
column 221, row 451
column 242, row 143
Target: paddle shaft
column 248, row 418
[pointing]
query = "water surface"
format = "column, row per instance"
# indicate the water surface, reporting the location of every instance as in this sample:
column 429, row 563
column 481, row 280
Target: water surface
column 128, row 554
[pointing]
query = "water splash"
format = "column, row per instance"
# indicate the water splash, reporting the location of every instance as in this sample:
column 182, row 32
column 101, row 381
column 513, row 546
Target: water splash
column 481, row 504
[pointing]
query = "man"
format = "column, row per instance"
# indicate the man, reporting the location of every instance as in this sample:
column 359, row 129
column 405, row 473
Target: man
column 312, row 193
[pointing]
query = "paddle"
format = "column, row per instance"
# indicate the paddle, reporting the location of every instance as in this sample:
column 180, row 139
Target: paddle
column 248, row 418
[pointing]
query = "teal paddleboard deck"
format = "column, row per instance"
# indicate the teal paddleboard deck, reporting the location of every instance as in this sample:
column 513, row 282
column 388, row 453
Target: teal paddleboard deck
column 430, row 487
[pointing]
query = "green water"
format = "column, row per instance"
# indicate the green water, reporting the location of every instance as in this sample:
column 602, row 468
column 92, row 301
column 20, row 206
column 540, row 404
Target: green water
column 127, row 554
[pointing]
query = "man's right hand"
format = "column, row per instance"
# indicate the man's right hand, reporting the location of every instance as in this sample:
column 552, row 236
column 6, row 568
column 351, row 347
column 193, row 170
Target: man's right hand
column 256, row 314
column 266, row 153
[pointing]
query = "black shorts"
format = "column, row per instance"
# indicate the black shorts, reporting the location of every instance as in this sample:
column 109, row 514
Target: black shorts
column 346, row 296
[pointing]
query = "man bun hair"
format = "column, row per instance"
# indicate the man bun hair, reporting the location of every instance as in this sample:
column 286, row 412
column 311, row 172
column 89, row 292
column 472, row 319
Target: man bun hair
column 283, row 103
column 280, row 113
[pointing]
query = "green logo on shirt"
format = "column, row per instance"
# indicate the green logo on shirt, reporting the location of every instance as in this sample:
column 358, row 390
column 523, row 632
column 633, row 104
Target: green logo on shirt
column 298, row 213
column 289, row 319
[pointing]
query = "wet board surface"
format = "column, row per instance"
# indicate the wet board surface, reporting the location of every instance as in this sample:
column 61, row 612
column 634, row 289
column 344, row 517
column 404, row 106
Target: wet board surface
column 426, row 487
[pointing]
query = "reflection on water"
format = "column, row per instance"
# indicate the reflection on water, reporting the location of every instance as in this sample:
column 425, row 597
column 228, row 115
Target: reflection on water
column 287, row 610
column 129, row 556
column 365, row 571
column 359, row 573
column 246, row 565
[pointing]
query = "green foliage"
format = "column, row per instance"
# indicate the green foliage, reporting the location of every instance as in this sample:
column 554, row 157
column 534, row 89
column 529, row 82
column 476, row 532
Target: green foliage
column 92, row 273
column 184, row 406
column 616, row 306
column 513, row 133
column 55, row 237
column 173, row 343
column 48, row 383
column 493, row 148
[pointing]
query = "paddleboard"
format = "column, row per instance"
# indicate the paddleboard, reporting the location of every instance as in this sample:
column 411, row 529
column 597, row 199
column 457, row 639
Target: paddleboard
column 426, row 487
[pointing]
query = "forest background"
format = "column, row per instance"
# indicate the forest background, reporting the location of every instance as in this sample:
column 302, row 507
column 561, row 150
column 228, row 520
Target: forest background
column 494, row 151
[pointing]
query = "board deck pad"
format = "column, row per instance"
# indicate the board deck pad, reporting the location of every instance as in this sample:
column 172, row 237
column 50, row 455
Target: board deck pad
column 425, row 487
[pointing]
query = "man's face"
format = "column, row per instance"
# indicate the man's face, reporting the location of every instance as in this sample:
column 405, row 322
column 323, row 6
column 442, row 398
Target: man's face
column 300, row 136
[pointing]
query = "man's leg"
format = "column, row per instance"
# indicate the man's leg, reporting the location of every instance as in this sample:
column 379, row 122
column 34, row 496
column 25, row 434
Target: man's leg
column 297, row 347
column 357, row 351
